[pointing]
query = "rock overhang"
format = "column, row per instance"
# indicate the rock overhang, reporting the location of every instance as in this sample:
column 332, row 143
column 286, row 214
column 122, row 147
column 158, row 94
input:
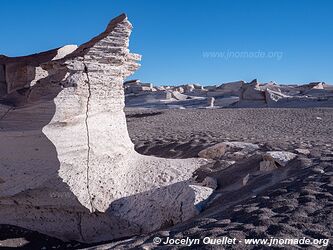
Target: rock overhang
column 71, row 130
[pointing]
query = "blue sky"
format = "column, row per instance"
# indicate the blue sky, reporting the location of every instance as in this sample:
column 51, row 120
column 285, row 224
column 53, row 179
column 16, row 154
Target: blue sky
column 182, row 41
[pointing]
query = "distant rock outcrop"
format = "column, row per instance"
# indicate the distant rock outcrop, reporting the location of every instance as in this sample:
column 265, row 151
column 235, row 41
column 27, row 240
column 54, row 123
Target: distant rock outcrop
column 68, row 167
column 252, row 91
column 270, row 94
column 230, row 88
column 210, row 102
column 272, row 97
column 231, row 94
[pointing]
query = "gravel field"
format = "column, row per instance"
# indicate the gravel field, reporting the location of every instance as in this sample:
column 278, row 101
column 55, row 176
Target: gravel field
column 291, row 202
column 281, row 128
column 296, row 125
column 294, row 201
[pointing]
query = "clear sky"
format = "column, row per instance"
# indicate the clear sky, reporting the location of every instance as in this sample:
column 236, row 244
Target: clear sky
column 182, row 41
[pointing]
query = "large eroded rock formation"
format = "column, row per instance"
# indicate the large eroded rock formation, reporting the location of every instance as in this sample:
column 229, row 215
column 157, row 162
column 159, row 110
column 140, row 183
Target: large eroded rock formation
column 68, row 167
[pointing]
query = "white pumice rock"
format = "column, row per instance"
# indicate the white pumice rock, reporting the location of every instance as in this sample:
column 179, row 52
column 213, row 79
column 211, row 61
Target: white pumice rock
column 302, row 151
column 213, row 152
column 245, row 147
column 280, row 157
column 68, row 167
column 210, row 102
column 252, row 91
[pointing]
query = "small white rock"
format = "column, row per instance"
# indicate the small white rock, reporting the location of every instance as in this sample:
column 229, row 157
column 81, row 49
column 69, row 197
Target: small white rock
column 302, row 151
column 280, row 157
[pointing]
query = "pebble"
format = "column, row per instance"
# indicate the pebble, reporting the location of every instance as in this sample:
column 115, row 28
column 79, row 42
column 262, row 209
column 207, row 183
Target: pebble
column 318, row 170
column 302, row 151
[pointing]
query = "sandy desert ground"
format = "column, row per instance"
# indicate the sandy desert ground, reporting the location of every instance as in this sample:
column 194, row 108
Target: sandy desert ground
column 294, row 201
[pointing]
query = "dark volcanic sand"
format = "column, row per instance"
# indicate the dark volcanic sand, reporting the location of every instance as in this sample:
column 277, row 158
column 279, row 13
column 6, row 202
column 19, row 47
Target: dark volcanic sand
column 291, row 202
column 280, row 128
